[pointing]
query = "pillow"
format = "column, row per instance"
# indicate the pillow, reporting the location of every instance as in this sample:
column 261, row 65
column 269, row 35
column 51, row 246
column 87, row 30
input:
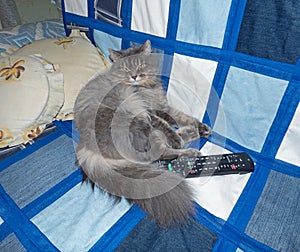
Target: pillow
column 31, row 95
column 78, row 59
column 25, row 33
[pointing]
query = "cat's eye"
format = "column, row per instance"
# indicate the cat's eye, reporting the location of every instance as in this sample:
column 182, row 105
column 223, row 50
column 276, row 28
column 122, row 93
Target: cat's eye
column 140, row 66
column 125, row 69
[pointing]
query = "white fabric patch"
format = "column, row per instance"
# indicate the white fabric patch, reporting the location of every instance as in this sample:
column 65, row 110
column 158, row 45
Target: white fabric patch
column 1, row 221
column 78, row 7
column 150, row 16
column 218, row 194
column 289, row 149
column 190, row 84
column 90, row 214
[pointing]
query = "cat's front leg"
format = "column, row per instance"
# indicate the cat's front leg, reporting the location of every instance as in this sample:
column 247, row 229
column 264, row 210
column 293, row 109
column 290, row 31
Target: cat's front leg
column 160, row 149
column 188, row 133
column 192, row 132
column 170, row 153
column 204, row 130
column 189, row 128
column 173, row 139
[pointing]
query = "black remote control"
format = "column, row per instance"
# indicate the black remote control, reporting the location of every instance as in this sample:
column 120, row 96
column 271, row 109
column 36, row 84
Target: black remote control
column 234, row 163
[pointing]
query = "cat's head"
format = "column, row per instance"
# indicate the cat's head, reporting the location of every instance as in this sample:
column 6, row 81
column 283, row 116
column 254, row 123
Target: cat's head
column 144, row 49
column 136, row 66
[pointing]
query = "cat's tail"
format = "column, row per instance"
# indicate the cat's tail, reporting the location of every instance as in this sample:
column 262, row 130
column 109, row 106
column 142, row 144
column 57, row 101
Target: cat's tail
column 164, row 195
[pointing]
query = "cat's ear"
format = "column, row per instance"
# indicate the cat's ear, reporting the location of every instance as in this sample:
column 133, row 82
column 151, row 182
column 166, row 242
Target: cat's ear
column 114, row 55
column 146, row 47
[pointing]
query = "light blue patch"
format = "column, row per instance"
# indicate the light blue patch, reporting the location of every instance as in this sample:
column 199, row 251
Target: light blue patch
column 206, row 19
column 105, row 41
column 77, row 220
column 248, row 106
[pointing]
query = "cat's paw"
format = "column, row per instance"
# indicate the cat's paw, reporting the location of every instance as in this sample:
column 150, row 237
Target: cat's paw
column 204, row 130
column 190, row 152
column 176, row 142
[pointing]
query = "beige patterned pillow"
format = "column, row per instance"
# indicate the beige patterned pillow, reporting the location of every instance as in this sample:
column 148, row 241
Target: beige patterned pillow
column 78, row 59
column 31, row 95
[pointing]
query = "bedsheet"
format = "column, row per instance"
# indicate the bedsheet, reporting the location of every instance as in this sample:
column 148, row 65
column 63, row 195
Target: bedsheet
column 232, row 64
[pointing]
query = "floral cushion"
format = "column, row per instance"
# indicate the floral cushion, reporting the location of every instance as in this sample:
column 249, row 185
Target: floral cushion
column 78, row 59
column 31, row 95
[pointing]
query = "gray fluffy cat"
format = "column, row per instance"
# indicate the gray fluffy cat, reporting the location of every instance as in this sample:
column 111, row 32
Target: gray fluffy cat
column 125, row 124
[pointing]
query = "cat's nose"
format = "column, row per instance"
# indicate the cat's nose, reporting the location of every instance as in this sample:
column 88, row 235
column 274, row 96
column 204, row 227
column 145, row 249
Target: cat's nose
column 134, row 77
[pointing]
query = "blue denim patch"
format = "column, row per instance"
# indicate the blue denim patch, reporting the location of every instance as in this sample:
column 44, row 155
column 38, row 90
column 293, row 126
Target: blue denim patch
column 270, row 29
column 276, row 218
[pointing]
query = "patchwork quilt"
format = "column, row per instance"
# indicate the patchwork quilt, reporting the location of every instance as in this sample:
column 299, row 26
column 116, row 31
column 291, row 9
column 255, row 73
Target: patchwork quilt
column 233, row 64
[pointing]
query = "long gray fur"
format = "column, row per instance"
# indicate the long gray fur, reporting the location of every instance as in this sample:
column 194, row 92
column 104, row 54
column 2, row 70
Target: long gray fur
column 125, row 124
